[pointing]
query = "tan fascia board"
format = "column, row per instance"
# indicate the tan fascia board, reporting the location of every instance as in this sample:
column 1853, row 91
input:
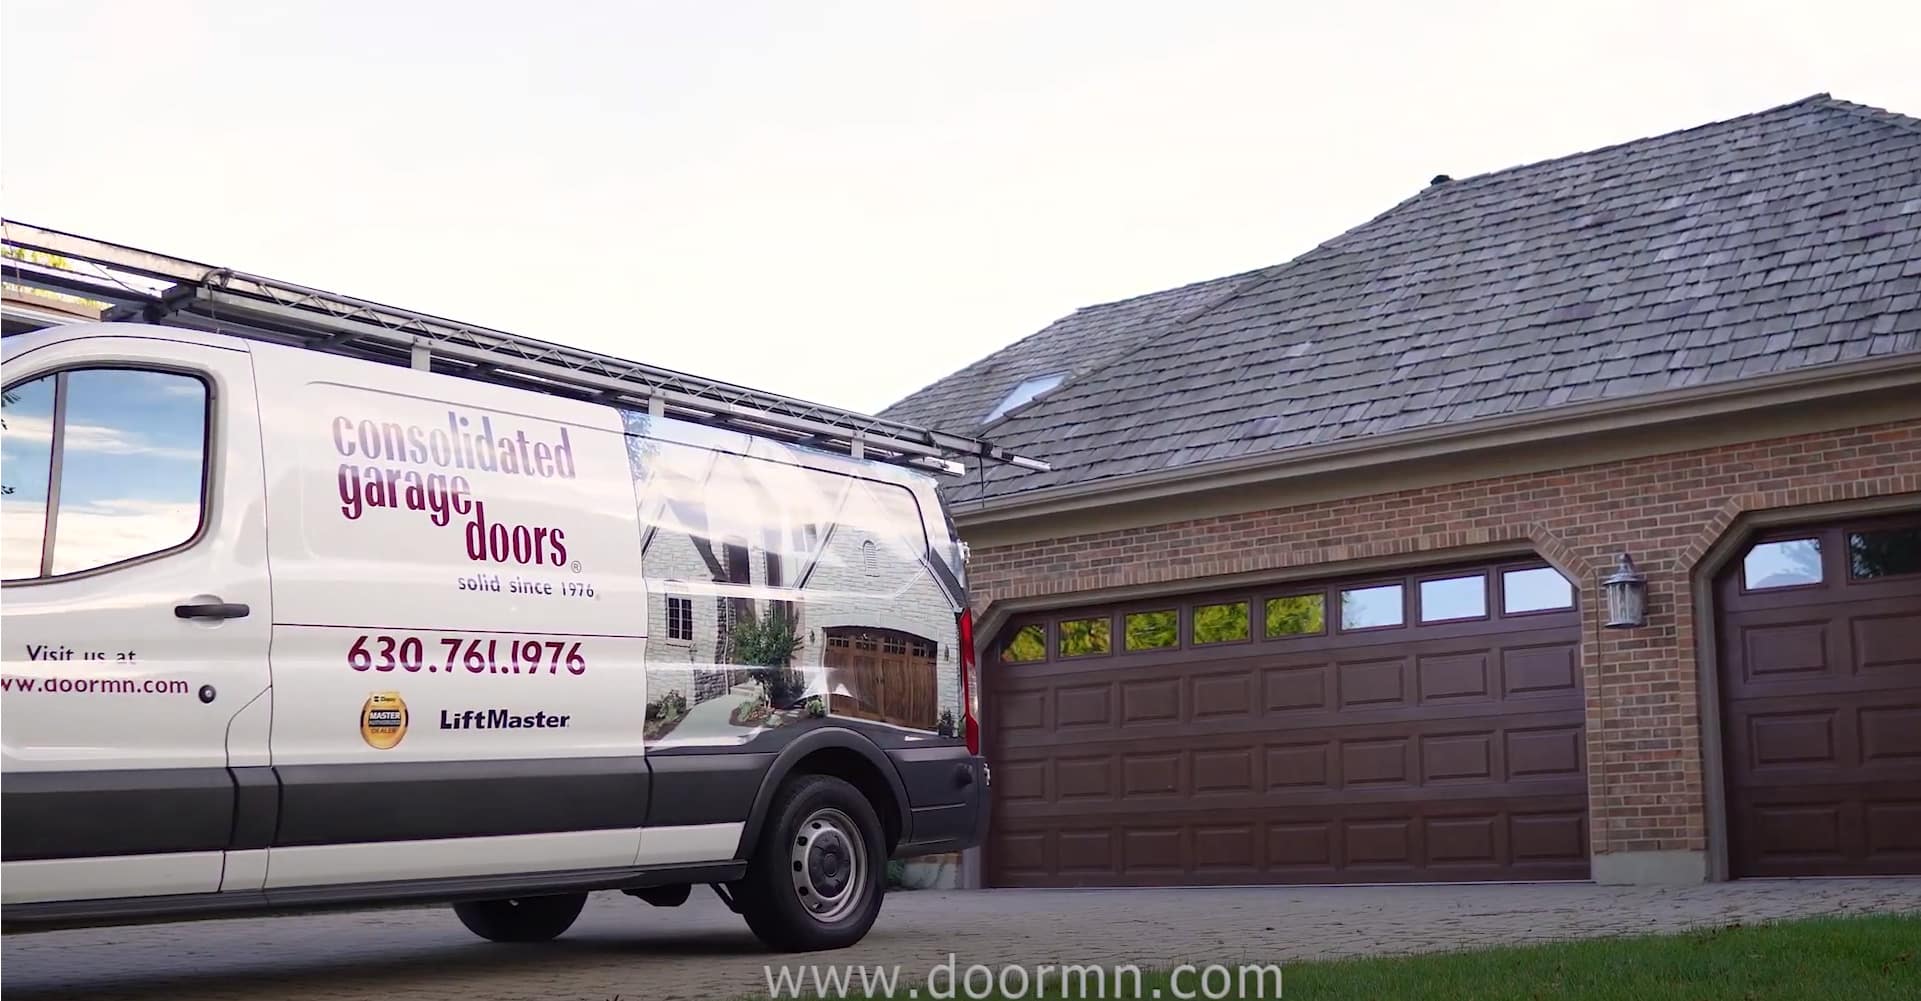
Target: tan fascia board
column 1534, row 429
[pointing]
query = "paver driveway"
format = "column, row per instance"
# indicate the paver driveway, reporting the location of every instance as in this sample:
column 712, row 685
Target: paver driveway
column 622, row 947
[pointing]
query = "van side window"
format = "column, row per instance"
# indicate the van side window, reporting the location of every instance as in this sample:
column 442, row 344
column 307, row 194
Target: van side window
column 111, row 464
column 26, row 463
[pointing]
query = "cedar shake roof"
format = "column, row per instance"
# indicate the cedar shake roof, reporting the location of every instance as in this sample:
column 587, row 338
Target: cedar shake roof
column 1781, row 240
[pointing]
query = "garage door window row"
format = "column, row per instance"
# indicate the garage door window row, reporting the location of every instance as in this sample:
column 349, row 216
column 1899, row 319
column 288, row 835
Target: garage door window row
column 1363, row 607
column 1871, row 555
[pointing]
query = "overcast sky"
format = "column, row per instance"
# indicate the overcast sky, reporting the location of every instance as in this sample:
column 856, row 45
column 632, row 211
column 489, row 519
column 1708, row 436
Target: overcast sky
column 841, row 201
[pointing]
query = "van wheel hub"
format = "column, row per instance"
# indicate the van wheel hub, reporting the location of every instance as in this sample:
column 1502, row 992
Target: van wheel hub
column 830, row 864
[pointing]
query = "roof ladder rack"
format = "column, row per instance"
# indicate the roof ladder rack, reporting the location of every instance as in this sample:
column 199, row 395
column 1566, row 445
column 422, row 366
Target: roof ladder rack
column 188, row 294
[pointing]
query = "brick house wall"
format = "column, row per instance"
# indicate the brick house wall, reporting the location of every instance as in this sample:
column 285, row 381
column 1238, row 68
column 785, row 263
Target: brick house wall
column 1644, row 741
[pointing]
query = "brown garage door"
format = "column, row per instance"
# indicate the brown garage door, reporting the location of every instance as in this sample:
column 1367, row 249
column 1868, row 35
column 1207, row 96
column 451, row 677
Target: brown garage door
column 1820, row 648
column 1411, row 727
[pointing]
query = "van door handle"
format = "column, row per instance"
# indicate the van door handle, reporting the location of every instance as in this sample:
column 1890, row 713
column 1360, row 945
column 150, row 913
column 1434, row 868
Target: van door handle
column 211, row 610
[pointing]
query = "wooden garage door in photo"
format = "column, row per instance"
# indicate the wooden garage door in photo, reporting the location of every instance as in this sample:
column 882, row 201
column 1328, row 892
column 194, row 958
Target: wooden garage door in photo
column 1419, row 726
column 1820, row 650
column 881, row 674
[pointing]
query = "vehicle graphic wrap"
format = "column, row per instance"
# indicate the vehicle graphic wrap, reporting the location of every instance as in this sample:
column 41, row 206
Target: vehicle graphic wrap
column 786, row 584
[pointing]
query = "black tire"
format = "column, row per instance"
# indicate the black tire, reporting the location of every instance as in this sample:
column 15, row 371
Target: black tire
column 521, row 919
column 830, row 900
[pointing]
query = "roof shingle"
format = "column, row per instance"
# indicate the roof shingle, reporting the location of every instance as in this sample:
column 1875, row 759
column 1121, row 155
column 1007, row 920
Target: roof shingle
column 1778, row 240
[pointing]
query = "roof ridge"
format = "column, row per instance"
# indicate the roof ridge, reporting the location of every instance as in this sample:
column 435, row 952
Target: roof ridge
column 1172, row 289
column 1811, row 99
column 1877, row 115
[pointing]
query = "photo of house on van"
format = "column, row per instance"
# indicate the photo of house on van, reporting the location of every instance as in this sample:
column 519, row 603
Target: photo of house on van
column 786, row 584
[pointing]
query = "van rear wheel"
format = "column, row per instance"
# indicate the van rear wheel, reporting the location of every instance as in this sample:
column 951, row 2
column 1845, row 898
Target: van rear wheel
column 818, row 875
column 521, row 919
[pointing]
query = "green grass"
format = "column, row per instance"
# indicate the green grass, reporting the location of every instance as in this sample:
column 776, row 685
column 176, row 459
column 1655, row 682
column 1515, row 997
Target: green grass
column 1831, row 959
column 1825, row 959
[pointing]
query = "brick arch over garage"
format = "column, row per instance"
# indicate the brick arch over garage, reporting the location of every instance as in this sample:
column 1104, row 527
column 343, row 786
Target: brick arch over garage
column 1268, row 563
column 1644, row 735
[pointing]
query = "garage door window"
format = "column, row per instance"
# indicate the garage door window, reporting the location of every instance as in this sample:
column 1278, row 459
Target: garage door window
column 1788, row 563
column 1084, row 637
column 1891, row 553
column 1372, row 607
column 1537, row 589
column 1029, row 643
column 1153, row 630
column 1297, row 615
column 1225, row 623
column 1452, row 598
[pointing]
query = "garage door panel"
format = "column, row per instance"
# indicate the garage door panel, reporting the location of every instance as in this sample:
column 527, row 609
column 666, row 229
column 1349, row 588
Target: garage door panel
column 1867, row 828
column 1155, row 700
column 1075, row 717
column 1821, row 718
column 1894, row 828
column 1542, row 671
column 1455, row 677
column 1080, row 706
column 1787, row 651
column 1888, row 643
column 1061, row 811
column 1389, row 842
column 1871, row 738
column 1538, row 754
column 1890, row 735
column 1435, row 753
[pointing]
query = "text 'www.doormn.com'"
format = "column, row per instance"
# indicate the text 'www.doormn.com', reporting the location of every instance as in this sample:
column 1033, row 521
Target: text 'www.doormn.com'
column 950, row 981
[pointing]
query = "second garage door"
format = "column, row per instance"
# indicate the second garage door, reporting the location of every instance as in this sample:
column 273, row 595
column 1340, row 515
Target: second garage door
column 1821, row 700
column 1421, row 726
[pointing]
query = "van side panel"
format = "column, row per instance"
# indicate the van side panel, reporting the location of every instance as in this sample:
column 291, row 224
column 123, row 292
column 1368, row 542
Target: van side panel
column 460, row 620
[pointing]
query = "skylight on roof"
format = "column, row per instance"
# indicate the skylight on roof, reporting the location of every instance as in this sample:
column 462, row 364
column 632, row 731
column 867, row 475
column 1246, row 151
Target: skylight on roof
column 1024, row 393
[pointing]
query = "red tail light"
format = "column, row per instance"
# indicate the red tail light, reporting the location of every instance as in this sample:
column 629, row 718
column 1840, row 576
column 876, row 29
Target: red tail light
column 970, row 683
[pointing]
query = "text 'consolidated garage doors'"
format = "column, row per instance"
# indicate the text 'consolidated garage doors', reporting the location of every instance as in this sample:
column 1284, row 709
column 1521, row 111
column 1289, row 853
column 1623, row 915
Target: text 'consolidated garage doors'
column 1408, row 727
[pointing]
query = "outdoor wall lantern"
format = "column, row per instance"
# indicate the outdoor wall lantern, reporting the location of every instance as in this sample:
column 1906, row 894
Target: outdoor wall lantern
column 1627, row 596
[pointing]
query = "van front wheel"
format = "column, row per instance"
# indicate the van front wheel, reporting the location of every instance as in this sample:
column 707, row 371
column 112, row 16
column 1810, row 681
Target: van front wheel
column 818, row 875
column 521, row 919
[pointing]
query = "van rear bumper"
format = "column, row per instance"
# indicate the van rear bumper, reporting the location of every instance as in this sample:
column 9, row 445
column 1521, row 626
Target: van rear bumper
column 947, row 799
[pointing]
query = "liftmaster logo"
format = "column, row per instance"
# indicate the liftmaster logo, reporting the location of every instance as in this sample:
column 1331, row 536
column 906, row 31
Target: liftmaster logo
column 383, row 720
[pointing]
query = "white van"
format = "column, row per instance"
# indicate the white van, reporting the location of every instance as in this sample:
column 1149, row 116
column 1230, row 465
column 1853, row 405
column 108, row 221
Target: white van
column 286, row 629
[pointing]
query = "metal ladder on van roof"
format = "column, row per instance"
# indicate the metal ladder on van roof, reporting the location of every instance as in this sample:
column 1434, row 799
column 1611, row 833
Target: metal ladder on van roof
column 147, row 287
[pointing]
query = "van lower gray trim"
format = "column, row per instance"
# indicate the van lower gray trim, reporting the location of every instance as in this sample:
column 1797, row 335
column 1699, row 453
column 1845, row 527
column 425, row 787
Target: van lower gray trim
column 83, row 814
column 130, row 811
column 54, row 915
column 715, row 787
column 150, row 811
column 256, row 807
column 410, row 801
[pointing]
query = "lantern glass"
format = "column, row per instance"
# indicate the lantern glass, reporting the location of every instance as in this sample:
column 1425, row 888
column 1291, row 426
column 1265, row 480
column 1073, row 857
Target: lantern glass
column 1627, row 596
